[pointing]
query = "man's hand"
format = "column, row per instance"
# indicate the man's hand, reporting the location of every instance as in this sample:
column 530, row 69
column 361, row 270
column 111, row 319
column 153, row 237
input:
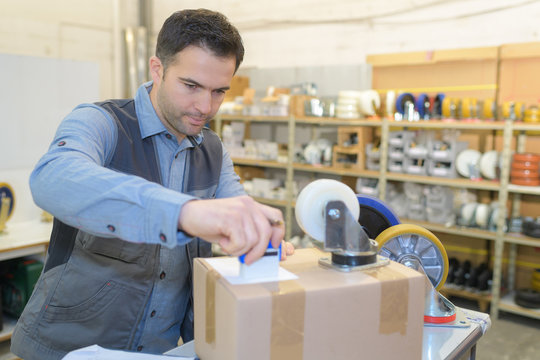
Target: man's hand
column 286, row 249
column 240, row 225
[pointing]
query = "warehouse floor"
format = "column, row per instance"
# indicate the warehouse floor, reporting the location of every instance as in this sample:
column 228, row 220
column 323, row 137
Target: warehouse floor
column 510, row 337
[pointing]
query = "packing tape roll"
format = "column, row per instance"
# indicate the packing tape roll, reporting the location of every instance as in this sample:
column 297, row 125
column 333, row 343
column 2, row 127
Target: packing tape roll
column 393, row 315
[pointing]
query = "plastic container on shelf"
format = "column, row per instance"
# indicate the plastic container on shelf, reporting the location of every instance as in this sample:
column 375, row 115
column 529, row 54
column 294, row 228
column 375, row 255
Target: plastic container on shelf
column 395, row 166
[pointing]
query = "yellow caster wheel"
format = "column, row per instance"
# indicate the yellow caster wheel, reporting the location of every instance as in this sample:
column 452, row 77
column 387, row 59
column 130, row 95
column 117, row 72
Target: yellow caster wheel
column 406, row 241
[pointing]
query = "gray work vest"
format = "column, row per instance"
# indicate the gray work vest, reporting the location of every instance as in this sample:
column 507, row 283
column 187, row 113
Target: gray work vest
column 117, row 275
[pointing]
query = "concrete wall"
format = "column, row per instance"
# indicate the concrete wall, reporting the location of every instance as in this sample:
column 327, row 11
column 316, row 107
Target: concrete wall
column 279, row 33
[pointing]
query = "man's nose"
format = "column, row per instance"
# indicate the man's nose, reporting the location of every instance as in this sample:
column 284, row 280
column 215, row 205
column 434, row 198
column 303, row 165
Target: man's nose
column 204, row 102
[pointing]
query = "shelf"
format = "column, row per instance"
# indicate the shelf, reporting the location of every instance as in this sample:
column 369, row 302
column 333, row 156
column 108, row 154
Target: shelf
column 7, row 331
column 450, row 124
column 458, row 182
column 531, row 190
column 336, row 171
column 521, row 239
column 507, row 304
column 483, row 299
column 269, row 119
column 327, row 121
column 526, row 126
column 24, row 238
column 454, row 230
column 259, row 163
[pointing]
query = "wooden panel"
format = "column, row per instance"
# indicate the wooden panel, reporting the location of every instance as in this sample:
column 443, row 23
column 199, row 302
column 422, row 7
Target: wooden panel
column 431, row 57
column 522, row 50
column 458, row 79
column 520, row 80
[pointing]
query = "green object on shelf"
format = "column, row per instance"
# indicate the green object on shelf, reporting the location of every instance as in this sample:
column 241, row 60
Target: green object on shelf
column 18, row 283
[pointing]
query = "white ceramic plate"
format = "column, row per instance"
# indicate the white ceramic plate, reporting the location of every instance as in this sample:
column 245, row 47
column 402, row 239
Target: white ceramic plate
column 467, row 163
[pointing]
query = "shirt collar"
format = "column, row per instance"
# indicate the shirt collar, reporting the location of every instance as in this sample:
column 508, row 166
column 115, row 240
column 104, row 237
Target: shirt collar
column 149, row 122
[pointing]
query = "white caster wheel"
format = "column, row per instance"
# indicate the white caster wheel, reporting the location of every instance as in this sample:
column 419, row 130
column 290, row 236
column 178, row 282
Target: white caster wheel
column 311, row 205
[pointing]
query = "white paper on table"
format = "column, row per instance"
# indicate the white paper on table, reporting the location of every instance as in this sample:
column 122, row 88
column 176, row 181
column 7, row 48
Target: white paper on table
column 96, row 352
column 186, row 350
column 229, row 268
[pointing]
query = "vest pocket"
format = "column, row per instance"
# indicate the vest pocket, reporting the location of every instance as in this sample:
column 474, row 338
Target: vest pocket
column 115, row 248
column 106, row 318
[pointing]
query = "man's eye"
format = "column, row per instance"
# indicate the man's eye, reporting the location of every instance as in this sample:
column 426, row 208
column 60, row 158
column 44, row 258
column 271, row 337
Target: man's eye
column 191, row 86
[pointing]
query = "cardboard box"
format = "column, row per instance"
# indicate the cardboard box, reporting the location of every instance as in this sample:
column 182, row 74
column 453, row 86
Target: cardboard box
column 324, row 314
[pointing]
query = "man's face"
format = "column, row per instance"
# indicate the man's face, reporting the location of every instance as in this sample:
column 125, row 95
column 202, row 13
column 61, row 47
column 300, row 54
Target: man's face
column 191, row 90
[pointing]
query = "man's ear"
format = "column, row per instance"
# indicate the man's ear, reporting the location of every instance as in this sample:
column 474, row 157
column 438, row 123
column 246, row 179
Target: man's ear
column 156, row 69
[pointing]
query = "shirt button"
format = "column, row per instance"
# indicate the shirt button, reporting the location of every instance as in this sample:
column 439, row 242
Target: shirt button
column 162, row 275
column 61, row 143
column 139, row 348
column 153, row 313
column 168, row 136
column 111, row 228
column 162, row 237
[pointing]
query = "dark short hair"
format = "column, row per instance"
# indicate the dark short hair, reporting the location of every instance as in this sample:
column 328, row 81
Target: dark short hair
column 203, row 28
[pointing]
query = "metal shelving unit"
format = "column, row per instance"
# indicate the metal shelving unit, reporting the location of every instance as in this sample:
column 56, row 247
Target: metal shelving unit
column 502, row 187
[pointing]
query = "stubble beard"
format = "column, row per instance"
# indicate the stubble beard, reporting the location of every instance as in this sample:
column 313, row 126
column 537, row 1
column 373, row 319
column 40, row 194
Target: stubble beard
column 178, row 120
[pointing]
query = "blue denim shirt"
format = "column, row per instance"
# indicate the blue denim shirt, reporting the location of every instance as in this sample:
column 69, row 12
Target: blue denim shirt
column 71, row 182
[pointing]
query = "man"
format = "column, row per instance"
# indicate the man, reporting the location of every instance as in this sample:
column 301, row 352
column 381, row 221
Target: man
column 132, row 185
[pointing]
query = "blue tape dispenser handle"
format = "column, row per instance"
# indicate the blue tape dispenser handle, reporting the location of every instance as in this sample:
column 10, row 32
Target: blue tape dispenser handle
column 270, row 251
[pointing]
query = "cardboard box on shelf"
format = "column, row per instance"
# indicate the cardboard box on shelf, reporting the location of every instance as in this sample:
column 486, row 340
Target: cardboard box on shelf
column 238, row 85
column 297, row 105
column 323, row 314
